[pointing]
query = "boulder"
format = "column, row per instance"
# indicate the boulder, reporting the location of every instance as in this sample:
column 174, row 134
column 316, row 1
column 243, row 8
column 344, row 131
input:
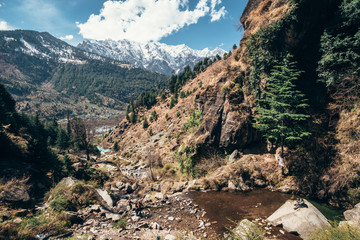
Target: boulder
column 353, row 215
column 105, row 196
column 68, row 181
column 302, row 221
column 159, row 196
column 170, row 237
column 15, row 194
column 113, row 216
column 234, row 156
column 244, row 229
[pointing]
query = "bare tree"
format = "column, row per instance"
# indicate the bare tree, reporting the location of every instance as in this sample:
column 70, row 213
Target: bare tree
column 80, row 136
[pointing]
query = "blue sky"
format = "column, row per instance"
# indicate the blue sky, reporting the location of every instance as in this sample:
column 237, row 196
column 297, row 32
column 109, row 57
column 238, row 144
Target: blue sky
column 196, row 23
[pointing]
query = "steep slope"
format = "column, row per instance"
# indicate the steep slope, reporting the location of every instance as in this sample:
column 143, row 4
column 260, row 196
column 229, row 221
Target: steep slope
column 43, row 72
column 217, row 117
column 153, row 56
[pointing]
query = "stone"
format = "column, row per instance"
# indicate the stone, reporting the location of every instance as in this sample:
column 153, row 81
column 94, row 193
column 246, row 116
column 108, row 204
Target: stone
column 15, row 194
column 21, row 213
column 155, row 226
column 243, row 229
column 159, row 196
column 171, row 218
column 68, row 181
column 113, row 216
column 5, row 215
column 231, row 186
column 169, row 237
column 105, row 196
column 201, row 224
column 17, row 220
column 135, row 218
column 179, row 186
column 120, row 185
column 95, row 208
column 353, row 215
column 259, row 183
column 234, row 156
column 302, row 221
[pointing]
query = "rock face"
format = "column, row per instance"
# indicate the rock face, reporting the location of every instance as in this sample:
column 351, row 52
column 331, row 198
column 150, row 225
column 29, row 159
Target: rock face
column 353, row 215
column 302, row 221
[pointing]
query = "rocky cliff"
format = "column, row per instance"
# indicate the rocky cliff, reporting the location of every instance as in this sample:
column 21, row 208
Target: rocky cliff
column 225, row 95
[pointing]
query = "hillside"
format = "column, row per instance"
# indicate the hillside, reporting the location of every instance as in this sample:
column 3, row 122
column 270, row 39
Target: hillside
column 37, row 65
column 153, row 56
column 200, row 132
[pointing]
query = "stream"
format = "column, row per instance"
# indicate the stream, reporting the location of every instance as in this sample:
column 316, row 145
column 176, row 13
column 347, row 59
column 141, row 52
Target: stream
column 228, row 208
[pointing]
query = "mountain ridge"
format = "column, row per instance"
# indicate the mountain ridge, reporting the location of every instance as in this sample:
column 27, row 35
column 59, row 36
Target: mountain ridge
column 153, row 56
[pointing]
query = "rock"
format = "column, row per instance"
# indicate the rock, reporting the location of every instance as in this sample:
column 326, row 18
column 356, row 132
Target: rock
column 244, row 229
column 155, row 226
column 68, row 181
column 113, row 216
column 135, row 218
column 303, row 221
column 95, row 208
column 234, row 156
column 171, row 218
column 21, row 213
column 15, row 194
column 120, row 185
column 17, row 220
column 74, row 217
column 5, row 215
column 105, row 196
column 169, row 237
column 259, row 183
column 179, row 186
column 201, row 224
column 348, row 223
column 353, row 215
column 231, row 186
column 155, row 187
column 159, row 196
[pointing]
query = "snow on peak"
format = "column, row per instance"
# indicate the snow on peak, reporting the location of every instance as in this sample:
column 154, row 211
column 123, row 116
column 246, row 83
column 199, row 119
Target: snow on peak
column 154, row 56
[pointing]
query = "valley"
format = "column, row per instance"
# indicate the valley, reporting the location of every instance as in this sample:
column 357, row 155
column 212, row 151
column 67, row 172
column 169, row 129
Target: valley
column 261, row 142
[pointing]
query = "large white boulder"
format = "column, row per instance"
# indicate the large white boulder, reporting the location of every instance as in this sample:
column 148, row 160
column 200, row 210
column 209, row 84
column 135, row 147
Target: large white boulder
column 303, row 221
column 106, row 197
column 353, row 215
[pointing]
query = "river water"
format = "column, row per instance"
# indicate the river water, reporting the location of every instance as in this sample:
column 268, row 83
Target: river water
column 228, row 208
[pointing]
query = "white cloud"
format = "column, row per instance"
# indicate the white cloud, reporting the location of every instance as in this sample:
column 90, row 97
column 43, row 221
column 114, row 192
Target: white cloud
column 5, row 26
column 0, row 5
column 67, row 37
column 146, row 20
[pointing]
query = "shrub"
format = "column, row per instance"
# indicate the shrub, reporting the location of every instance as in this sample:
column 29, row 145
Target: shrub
column 194, row 121
column 338, row 233
column 121, row 223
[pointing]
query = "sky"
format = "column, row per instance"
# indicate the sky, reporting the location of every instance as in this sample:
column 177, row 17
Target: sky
column 196, row 23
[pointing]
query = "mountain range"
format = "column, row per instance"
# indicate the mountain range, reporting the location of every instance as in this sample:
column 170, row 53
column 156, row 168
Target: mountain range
column 47, row 74
column 153, row 56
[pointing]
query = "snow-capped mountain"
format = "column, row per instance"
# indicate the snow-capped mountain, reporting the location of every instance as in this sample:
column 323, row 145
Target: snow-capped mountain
column 153, row 56
column 43, row 46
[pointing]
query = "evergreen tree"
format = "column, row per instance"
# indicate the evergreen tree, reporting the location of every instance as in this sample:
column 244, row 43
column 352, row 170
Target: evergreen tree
column 62, row 140
column 234, row 47
column 145, row 123
column 280, row 113
column 116, row 147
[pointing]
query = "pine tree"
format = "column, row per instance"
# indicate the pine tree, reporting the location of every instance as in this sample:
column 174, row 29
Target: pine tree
column 116, row 147
column 280, row 113
column 145, row 123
